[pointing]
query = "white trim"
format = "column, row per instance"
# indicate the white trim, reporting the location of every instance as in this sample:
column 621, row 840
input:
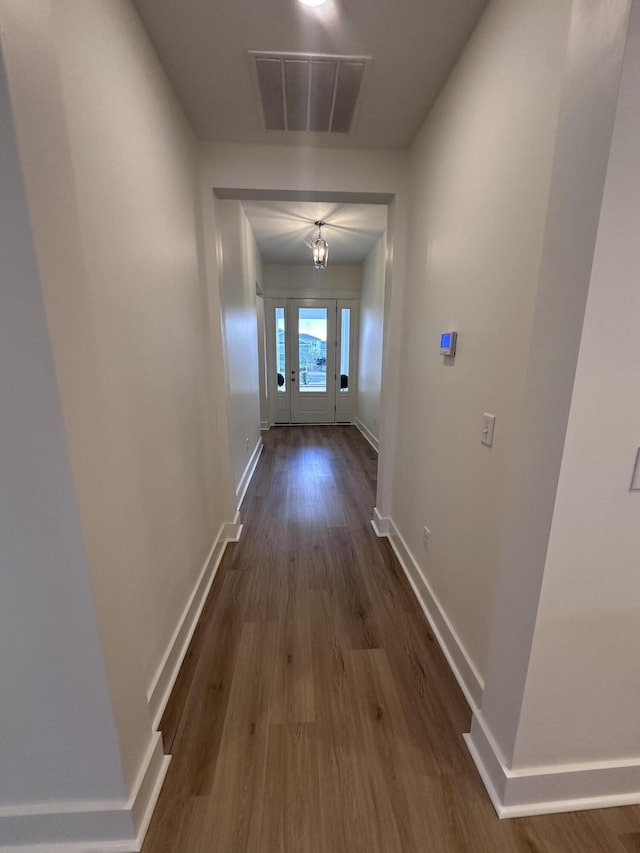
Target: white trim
column 75, row 847
column 314, row 423
column 312, row 293
column 117, row 826
column 548, row 790
column 106, row 827
column 249, row 471
column 106, row 830
column 162, row 684
column 265, row 426
column 470, row 681
column 380, row 524
column 148, row 786
column 373, row 441
column 232, row 530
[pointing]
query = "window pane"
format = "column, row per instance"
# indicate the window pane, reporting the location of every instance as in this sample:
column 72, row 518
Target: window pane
column 281, row 365
column 345, row 346
column 312, row 348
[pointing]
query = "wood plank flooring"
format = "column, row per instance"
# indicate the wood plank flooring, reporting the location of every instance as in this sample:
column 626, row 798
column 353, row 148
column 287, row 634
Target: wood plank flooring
column 314, row 712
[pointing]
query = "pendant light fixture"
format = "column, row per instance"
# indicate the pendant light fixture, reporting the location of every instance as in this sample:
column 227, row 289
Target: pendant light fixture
column 320, row 249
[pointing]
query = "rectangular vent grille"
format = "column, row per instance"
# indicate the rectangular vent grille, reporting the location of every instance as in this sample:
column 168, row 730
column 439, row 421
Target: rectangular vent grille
column 308, row 93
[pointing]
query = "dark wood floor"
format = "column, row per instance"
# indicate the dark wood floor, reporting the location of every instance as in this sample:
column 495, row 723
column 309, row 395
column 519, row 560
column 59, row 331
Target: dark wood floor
column 314, row 710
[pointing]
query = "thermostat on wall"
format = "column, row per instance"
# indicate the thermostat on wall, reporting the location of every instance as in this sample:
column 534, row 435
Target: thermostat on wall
column 448, row 343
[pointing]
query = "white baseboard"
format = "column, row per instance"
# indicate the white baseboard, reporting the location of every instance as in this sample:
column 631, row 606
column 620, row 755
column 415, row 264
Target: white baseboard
column 525, row 791
column 547, row 790
column 167, row 672
column 148, row 787
column 249, row 471
column 103, row 827
column 264, row 426
column 373, row 441
column 470, row 681
column 380, row 524
column 232, row 530
column 116, row 826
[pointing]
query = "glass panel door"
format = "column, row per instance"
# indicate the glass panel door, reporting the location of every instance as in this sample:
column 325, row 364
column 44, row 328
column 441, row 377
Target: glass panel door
column 312, row 360
column 281, row 351
column 345, row 348
column 276, row 327
column 347, row 380
column 312, row 349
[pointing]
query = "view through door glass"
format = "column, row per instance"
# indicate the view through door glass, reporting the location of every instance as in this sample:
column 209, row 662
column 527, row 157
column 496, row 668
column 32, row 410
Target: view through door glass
column 312, row 346
column 345, row 347
column 281, row 349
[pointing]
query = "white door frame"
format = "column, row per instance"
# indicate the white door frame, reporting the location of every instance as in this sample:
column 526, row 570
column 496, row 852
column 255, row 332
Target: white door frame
column 342, row 402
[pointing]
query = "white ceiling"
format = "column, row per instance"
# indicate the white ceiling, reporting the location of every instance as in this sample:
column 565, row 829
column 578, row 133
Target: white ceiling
column 284, row 229
column 203, row 46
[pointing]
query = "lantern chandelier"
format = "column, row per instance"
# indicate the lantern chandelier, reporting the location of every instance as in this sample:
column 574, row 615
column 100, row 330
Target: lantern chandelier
column 320, row 248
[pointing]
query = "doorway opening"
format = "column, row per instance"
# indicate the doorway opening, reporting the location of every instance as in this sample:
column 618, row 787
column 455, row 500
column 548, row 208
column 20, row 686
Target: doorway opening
column 303, row 345
column 311, row 360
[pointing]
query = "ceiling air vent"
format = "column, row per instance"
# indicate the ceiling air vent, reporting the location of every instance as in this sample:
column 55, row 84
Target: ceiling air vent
column 312, row 93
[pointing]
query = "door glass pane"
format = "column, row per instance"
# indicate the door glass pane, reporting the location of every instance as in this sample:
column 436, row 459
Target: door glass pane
column 345, row 346
column 312, row 349
column 281, row 365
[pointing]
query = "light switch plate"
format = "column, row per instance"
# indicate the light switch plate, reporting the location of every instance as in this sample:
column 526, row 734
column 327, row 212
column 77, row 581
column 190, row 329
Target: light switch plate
column 488, row 423
column 426, row 535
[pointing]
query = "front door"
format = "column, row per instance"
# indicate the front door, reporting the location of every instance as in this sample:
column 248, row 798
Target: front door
column 312, row 353
column 311, row 357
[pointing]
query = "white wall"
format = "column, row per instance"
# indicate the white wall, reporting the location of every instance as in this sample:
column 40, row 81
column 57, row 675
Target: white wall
column 260, row 321
column 480, row 178
column 337, row 281
column 129, row 325
column 583, row 685
column 275, row 169
column 240, row 269
column 56, row 726
column 262, row 363
column 371, row 337
column 593, row 63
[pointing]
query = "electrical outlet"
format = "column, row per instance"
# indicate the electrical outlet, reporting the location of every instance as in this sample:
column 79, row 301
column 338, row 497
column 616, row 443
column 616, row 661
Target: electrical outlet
column 426, row 535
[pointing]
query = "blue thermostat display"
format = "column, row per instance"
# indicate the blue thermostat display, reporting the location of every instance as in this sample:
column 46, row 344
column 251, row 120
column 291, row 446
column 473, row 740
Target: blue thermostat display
column 448, row 343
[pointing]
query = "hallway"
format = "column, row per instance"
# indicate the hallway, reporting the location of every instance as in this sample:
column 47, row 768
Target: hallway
column 314, row 710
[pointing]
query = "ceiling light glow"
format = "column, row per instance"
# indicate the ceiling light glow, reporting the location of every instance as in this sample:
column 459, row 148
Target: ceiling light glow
column 313, row 2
